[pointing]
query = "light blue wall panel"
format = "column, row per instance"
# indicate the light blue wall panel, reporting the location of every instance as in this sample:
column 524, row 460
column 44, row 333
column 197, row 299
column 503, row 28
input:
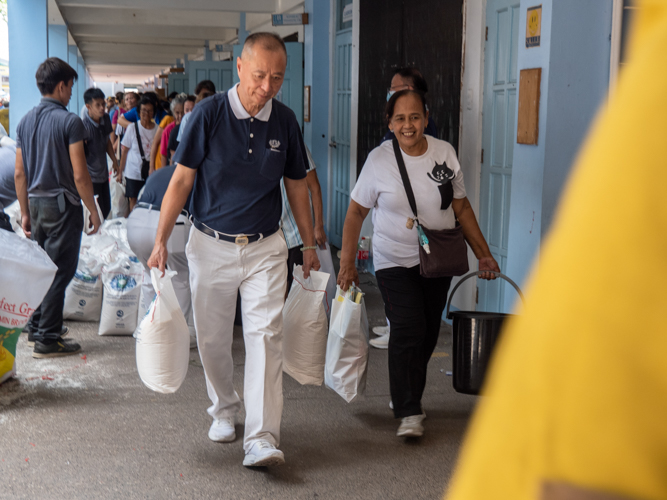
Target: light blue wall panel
column 316, row 74
column 28, row 48
column 58, row 41
column 83, row 82
column 578, row 84
column 73, row 60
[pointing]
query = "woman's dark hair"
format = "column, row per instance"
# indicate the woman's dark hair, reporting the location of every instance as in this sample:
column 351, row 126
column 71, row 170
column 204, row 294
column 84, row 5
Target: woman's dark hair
column 120, row 96
column 51, row 72
column 389, row 108
column 191, row 98
column 172, row 95
column 146, row 100
column 418, row 81
column 205, row 84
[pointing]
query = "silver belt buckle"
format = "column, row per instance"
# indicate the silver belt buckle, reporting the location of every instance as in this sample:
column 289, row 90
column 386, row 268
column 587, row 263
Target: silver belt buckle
column 241, row 240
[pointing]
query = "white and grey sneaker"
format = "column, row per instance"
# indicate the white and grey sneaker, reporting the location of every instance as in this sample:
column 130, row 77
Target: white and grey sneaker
column 222, row 430
column 380, row 342
column 411, row 426
column 263, row 454
column 381, row 330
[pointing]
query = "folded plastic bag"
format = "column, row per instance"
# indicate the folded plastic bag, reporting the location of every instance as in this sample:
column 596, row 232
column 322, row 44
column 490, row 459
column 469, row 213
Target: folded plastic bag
column 305, row 328
column 163, row 339
column 347, row 348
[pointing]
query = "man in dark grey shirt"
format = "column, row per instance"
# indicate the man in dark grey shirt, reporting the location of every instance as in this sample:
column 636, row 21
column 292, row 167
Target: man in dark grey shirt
column 97, row 145
column 51, row 181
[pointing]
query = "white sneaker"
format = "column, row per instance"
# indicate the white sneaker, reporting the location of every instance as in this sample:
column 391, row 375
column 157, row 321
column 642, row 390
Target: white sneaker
column 380, row 342
column 411, row 426
column 222, row 430
column 263, row 454
column 381, row 330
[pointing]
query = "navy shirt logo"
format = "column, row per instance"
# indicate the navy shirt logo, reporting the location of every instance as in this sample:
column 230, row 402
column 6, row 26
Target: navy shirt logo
column 274, row 144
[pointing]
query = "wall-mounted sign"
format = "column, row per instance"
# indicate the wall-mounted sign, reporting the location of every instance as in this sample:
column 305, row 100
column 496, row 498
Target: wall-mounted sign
column 533, row 26
column 289, row 19
column 347, row 13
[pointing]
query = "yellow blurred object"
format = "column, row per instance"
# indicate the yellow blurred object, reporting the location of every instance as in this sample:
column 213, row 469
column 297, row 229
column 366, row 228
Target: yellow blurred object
column 158, row 157
column 578, row 390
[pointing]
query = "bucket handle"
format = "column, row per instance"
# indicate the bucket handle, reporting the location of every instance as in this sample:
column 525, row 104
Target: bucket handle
column 479, row 273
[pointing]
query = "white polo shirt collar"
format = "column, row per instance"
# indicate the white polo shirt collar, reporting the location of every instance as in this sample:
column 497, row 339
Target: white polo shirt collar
column 239, row 111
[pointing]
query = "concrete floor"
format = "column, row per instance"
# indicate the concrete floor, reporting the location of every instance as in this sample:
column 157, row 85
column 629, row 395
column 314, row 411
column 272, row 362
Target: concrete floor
column 86, row 427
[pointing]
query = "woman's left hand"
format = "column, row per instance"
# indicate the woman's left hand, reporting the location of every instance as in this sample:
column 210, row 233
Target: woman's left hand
column 346, row 276
column 488, row 264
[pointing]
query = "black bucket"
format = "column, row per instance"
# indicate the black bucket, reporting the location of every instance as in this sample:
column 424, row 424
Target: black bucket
column 474, row 336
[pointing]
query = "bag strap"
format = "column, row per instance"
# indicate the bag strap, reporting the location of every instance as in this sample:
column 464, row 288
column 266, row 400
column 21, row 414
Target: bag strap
column 404, row 176
column 141, row 148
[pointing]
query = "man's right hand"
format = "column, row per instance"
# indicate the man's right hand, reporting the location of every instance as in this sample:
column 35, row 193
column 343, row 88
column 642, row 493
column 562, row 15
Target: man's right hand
column 158, row 258
column 25, row 224
column 95, row 222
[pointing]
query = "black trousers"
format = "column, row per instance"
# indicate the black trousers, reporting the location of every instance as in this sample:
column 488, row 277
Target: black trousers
column 414, row 306
column 101, row 189
column 56, row 227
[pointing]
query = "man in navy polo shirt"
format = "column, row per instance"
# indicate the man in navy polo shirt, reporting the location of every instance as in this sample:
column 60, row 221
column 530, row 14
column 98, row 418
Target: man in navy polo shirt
column 235, row 150
column 51, row 181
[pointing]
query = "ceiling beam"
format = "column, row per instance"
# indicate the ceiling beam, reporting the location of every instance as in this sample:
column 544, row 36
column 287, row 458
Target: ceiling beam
column 190, row 32
column 170, row 18
column 269, row 6
column 188, row 43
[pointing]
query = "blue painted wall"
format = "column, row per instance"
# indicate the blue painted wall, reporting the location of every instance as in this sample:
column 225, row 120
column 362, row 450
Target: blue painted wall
column 72, row 60
column 574, row 56
column 316, row 74
column 26, row 53
column 58, row 41
column 578, row 84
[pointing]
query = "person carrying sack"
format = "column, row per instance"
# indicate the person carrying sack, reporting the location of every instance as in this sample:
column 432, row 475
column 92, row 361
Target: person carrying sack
column 417, row 247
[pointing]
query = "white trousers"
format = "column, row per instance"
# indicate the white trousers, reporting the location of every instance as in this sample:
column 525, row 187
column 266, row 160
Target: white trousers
column 218, row 270
column 141, row 230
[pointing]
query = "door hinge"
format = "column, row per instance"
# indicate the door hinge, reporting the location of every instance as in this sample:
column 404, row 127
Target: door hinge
column 482, row 156
column 477, row 296
column 486, row 36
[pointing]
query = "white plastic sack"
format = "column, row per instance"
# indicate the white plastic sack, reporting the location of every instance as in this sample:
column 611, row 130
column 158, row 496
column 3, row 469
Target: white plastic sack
column 120, row 304
column 26, row 274
column 305, row 328
column 120, row 206
column 117, row 229
column 83, row 296
column 347, row 348
column 326, row 266
column 163, row 339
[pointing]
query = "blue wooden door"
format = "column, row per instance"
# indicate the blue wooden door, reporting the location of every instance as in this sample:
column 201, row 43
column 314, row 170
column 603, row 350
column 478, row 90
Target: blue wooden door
column 179, row 82
column 339, row 142
column 219, row 72
column 499, row 136
column 291, row 93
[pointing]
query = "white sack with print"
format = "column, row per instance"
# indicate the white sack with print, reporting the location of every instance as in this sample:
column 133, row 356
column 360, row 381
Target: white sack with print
column 26, row 274
column 347, row 348
column 163, row 339
column 83, row 296
column 122, row 287
column 305, row 328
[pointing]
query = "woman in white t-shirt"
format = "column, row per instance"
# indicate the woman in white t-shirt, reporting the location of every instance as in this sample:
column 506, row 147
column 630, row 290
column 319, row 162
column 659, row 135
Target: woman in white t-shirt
column 131, row 160
column 413, row 304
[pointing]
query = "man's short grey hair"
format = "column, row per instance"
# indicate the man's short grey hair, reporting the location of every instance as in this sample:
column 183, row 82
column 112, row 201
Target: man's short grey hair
column 179, row 99
column 268, row 41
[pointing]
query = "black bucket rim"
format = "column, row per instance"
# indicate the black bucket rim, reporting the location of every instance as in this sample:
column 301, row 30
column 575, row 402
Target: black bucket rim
column 479, row 315
column 448, row 313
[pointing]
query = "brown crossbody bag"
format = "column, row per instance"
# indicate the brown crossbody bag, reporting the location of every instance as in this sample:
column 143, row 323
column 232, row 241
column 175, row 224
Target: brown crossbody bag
column 442, row 252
